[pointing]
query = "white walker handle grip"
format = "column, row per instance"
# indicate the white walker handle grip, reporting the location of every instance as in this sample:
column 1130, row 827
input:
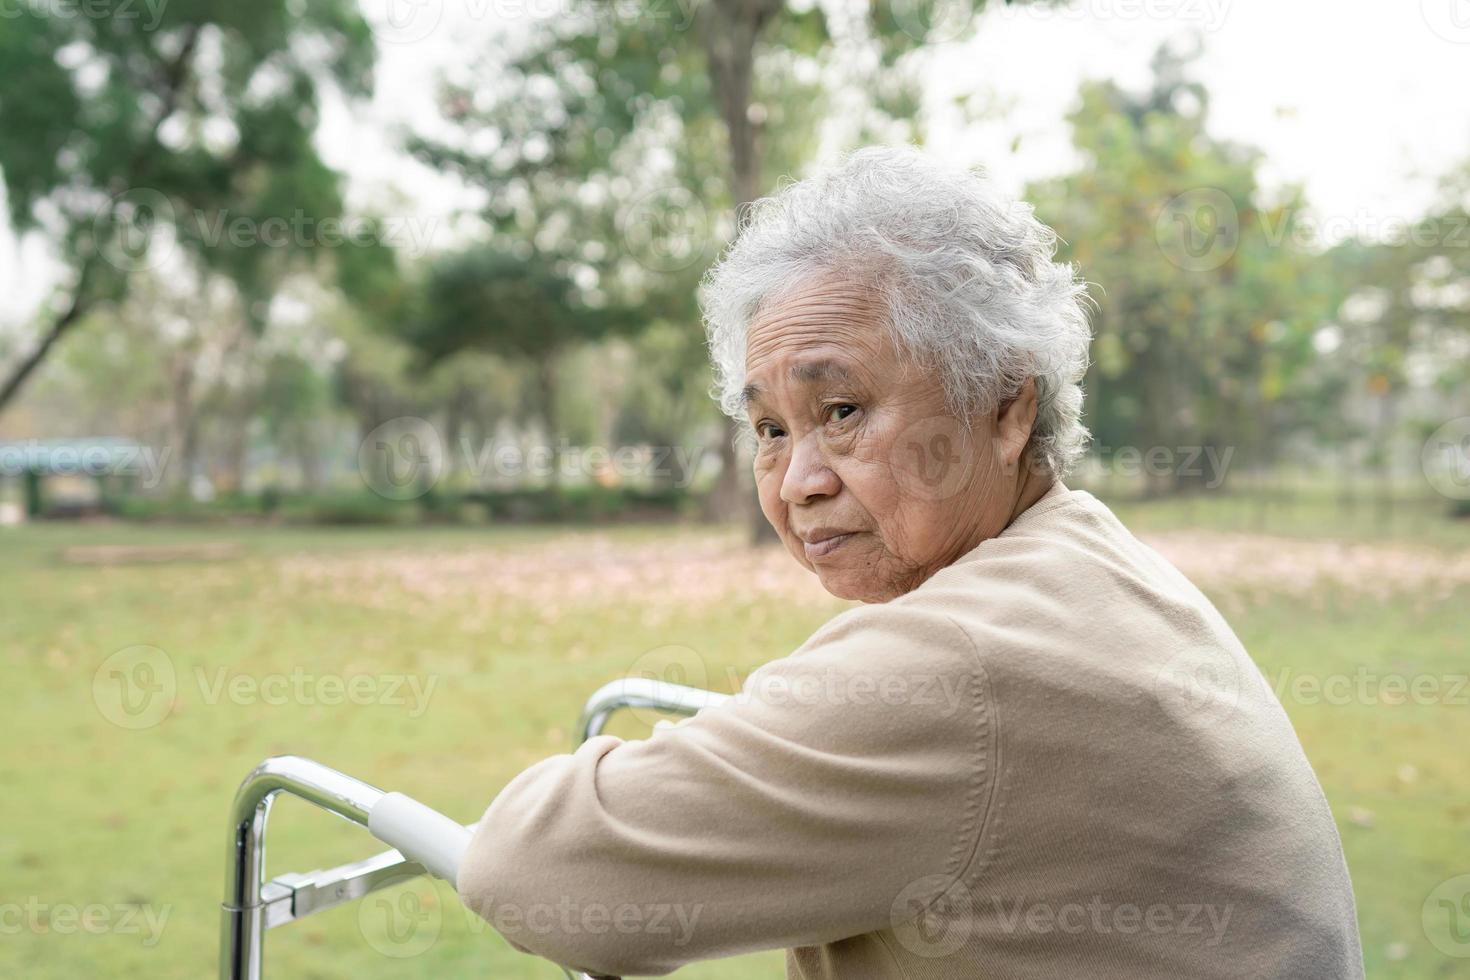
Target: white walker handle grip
column 420, row 834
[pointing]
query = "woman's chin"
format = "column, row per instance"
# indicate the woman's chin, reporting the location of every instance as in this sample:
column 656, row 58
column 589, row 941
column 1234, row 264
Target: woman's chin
column 850, row 583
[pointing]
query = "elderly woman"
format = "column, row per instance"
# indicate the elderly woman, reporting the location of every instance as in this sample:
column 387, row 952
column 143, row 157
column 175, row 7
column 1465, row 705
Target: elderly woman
column 1035, row 751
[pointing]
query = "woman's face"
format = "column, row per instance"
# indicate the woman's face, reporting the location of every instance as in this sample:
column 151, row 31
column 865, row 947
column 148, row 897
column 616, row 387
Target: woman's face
column 869, row 480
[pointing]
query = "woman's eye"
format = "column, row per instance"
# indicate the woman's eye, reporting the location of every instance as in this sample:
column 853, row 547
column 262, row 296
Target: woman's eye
column 769, row 430
column 839, row 412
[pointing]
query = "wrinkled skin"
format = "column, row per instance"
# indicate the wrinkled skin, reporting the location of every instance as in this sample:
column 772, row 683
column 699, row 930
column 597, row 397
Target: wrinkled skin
column 853, row 437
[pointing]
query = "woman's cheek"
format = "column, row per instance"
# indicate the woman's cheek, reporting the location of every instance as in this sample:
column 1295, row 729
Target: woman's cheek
column 870, row 483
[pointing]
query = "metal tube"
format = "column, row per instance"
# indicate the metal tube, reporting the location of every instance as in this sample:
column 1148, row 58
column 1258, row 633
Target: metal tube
column 641, row 692
column 245, row 908
column 252, row 905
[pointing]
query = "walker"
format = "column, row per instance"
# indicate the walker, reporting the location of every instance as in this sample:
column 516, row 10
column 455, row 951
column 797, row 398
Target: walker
column 424, row 841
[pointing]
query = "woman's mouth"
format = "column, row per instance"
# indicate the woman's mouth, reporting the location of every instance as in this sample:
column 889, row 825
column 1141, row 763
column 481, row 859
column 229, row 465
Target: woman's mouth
column 825, row 546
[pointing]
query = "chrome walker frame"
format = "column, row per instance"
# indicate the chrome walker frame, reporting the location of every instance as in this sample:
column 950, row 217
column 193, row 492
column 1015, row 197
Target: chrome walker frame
column 252, row 905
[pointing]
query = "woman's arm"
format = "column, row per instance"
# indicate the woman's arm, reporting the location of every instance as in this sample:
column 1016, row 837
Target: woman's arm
column 845, row 778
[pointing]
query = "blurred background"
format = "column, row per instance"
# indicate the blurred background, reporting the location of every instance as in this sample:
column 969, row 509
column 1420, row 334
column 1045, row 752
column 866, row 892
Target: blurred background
column 353, row 402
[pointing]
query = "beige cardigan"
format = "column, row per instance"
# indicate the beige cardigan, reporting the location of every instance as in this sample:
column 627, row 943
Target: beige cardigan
column 1053, row 760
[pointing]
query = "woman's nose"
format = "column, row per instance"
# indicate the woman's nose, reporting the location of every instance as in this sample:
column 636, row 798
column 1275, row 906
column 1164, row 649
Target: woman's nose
column 807, row 474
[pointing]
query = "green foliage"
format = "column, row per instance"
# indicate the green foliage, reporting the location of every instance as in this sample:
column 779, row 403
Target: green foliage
column 1207, row 306
column 193, row 118
column 1225, row 319
column 495, row 299
column 614, row 149
column 589, row 504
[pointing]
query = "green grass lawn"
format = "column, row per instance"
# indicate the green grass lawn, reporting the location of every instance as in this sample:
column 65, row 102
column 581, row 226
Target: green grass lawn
column 129, row 820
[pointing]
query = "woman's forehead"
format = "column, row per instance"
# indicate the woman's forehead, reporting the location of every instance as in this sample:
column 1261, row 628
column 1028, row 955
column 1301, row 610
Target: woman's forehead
column 823, row 313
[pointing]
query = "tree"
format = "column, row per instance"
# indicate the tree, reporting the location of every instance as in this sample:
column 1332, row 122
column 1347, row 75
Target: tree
column 643, row 105
column 515, row 304
column 1404, row 309
column 1208, row 303
column 189, row 123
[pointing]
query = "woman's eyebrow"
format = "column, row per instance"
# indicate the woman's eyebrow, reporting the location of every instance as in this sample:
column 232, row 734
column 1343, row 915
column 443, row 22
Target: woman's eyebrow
column 806, row 372
column 823, row 370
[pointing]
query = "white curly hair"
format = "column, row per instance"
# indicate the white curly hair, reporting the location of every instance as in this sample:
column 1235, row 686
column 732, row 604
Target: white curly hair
column 967, row 276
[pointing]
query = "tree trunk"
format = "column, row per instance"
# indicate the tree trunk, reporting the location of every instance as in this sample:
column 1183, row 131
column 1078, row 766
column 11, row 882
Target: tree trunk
column 731, row 30
column 454, row 426
column 185, row 422
column 546, row 381
column 175, row 77
column 63, row 322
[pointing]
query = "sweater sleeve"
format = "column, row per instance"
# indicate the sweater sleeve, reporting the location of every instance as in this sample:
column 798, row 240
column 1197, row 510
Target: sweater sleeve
column 841, row 792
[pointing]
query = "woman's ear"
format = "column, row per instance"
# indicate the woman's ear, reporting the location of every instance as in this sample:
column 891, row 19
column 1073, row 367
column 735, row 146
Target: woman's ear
column 1014, row 421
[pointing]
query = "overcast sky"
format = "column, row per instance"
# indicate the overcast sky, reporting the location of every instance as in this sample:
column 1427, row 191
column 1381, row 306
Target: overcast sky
column 1366, row 103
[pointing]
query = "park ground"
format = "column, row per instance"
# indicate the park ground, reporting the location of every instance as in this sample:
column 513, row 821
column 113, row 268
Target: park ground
column 112, row 847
